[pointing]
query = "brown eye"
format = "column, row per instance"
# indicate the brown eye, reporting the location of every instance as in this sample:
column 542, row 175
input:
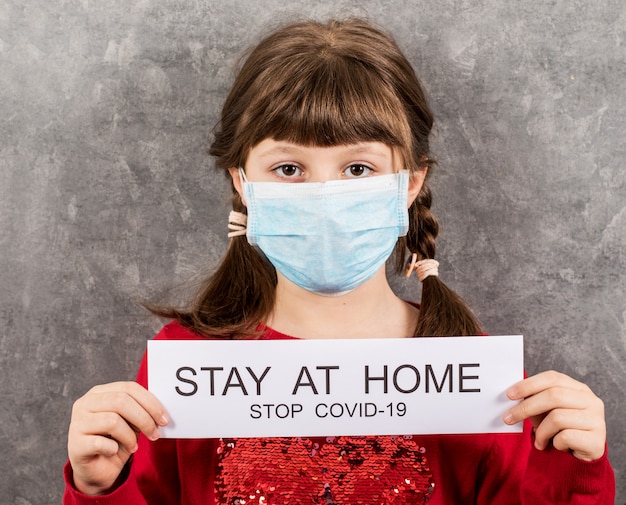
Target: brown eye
column 357, row 170
column 288, row 171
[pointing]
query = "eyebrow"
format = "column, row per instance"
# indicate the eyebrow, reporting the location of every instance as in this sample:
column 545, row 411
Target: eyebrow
column 280, row 149
column 369, row 149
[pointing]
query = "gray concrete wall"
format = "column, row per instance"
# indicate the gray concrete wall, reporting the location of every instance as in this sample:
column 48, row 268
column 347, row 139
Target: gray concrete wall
column 106, row 195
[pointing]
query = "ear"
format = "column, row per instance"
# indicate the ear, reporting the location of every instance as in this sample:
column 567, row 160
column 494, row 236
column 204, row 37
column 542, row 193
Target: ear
column 234, row 174
column 416, row 181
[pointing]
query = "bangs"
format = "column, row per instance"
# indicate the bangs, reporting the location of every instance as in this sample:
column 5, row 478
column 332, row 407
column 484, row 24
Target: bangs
column 335, row 101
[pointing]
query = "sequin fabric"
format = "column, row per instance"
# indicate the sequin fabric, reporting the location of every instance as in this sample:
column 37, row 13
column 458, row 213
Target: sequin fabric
column 327, row 471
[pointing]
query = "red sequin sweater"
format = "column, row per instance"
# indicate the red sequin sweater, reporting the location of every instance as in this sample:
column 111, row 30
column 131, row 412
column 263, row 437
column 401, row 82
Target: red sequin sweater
column 436, row 469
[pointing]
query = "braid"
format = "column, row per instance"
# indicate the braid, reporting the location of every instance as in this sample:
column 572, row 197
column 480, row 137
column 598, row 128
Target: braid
column 421, row 238
column 442, row 311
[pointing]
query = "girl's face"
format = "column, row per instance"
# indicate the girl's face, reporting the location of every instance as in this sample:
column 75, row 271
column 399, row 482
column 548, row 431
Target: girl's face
column 281, row 161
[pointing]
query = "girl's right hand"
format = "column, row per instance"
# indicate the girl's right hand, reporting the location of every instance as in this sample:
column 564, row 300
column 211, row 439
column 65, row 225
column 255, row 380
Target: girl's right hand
column 104, row 431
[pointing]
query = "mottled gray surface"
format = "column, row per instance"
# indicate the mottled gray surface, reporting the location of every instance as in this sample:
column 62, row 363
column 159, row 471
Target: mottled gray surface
column 106, row 195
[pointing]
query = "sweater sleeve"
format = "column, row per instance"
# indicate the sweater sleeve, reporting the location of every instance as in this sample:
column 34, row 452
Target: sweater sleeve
column 127, row 493
column 559, row 478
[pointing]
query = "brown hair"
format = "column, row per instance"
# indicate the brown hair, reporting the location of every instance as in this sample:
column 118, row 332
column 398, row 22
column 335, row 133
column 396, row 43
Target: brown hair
column 321, row 84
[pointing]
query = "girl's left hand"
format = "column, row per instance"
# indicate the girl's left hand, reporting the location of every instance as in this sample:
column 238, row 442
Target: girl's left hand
column 563, row 410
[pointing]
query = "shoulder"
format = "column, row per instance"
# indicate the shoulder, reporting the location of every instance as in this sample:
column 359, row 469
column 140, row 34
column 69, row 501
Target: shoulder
column 174, row 330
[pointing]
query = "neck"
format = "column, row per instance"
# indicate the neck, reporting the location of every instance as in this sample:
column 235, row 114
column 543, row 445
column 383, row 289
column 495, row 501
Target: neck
column 370, row 311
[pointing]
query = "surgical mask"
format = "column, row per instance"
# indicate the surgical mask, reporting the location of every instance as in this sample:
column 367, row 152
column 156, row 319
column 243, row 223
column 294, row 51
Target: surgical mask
column 330, row 237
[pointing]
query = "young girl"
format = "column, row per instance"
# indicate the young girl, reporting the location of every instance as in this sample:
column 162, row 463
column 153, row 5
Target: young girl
column 337, row 104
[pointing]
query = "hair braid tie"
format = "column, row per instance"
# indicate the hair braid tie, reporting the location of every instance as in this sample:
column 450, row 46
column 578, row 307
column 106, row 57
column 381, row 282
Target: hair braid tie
column 237, row 223
column 423, row 268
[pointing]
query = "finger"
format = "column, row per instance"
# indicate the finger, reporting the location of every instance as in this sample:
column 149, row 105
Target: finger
column 541, row 382
column 141, row 395
column 560, row 421
column 111, row 425
column 99, row 395
column 121, row 409
column 92, row 445
column 103, row 433
column 98, row 445
column 585, row 445
column 546, row 401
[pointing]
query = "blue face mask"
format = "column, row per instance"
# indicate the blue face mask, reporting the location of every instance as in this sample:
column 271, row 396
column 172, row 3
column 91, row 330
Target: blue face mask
column 330, row 237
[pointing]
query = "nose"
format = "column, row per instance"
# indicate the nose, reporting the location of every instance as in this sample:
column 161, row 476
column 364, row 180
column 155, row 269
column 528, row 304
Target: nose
column 323, row 172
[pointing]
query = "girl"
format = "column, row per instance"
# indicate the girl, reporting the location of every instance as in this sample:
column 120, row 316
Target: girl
column 337, row 104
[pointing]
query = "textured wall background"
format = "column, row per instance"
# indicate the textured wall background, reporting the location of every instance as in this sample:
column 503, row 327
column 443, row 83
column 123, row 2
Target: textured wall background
column 106, row 195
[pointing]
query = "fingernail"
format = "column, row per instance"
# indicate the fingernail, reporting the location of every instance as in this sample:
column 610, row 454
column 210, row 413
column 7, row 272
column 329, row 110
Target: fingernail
column 511, row 393
column 164, row 420
column 508, row 418
column 156, row 434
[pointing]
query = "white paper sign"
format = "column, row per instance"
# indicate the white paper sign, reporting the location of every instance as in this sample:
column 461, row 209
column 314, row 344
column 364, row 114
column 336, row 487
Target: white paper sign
column 267, row 388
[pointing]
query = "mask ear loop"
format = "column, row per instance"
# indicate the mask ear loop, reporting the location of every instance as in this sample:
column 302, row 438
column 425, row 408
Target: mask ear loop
column 238, row 221
column 243, row 180
column 411, row 266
